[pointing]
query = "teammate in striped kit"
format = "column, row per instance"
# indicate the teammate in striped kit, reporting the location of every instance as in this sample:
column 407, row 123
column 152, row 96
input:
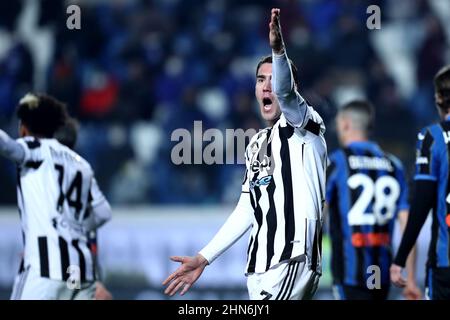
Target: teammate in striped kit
column 282, row 193
column 431, row 191
column 68, row 136
column 366, row 192
column 59, row 202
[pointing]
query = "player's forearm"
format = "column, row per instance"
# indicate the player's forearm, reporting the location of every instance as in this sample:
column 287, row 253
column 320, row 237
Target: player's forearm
column 423, row 196
column 10, row 148
column 236, row 225
column 411, row 265
column 292, row 104
column 282, row 79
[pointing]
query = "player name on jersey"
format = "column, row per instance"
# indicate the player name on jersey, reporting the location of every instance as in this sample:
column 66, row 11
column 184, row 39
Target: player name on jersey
column 369, row 163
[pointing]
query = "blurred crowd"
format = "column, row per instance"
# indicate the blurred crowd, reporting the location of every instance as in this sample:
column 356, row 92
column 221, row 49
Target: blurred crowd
column 139, row 69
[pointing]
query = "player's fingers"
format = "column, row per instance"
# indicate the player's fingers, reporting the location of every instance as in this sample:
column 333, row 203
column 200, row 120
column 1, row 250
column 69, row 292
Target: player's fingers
column 186, row 288
column 177, row 258
column 174, row 287
column 171, row 277
column 170, row 290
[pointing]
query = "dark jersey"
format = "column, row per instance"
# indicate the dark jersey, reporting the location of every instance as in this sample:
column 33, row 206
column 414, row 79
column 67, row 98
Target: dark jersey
column 432, row 163
column 366, row 189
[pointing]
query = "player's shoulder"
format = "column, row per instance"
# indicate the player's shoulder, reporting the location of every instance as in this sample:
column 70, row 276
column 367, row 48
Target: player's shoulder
column 394, row 160
column 31, row 143
column 430, row 132
column 337, row 155
column 59, row 147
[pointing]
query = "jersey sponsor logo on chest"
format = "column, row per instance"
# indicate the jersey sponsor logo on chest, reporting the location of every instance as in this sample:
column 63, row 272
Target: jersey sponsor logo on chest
column 258, row 165
column 260, row 182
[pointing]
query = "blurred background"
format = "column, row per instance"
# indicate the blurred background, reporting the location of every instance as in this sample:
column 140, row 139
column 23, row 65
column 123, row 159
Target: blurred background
column 139, row 69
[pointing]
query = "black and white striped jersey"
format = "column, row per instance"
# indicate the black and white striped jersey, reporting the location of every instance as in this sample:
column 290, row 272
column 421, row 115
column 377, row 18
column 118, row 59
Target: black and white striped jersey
column 285, row 178
column 56, row 191
column 284, row 186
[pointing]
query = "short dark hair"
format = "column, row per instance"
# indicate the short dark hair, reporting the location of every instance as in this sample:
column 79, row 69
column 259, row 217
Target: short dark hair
column 442, row 87
column 68, row 133
column 366, row 111
column 268, row 59
column 43, row 115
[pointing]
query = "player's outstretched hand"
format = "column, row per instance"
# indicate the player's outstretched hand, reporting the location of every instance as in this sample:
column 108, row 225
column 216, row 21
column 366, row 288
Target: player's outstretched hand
column 396, row 276
column 184, row 277
column 101, row 293
column 275, row 36
column 412, row 291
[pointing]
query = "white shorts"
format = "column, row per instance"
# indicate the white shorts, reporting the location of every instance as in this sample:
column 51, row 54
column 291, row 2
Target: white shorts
column 291, row 280
column 29, row 285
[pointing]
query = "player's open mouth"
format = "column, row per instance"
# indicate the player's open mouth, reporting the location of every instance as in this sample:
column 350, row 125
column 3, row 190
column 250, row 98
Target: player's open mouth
column 267, row 104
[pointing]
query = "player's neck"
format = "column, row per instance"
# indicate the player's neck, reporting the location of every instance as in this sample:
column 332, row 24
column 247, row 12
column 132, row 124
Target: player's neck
column 356, row 137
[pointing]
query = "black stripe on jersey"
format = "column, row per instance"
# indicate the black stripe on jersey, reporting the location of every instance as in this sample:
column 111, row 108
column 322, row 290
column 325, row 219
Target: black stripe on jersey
column 65, row 262
column 360, row 272
column 43, row 256
column 315, row 252
column 292, row 276
column 259, row 220
column 249, row 247
column 297, row 263
column 375, row 250
column 245, row 177
column 313, row 127
column 82, row 260
column 286, row 175
column 271, row 216
column 22, row 266
column 33, row 144
column 337, row 252
column 87, row 211
column 425, row 151
column 354, row 195
column 33, row 164
column 285, row 280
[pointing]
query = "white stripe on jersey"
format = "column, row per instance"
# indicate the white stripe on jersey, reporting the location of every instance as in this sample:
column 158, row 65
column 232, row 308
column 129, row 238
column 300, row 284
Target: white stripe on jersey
column 54, row 190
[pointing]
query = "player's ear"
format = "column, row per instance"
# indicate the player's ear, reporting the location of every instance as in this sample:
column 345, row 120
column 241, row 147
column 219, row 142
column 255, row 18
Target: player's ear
column 438, row 98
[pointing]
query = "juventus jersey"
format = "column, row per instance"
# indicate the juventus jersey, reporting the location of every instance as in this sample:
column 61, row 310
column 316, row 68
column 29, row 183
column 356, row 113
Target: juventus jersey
column 285, row 177
column 56, row 189
column 284, row 186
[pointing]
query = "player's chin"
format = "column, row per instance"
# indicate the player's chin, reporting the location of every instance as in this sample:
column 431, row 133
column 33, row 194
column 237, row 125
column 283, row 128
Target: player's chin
column 270, row 114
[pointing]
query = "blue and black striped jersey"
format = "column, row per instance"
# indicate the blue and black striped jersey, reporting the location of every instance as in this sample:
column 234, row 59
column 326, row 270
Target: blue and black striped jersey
column 432, row 163
column 366, row 188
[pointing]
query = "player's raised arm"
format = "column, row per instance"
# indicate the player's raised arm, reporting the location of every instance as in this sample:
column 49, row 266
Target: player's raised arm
column 11, row 149
column 292, row 104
